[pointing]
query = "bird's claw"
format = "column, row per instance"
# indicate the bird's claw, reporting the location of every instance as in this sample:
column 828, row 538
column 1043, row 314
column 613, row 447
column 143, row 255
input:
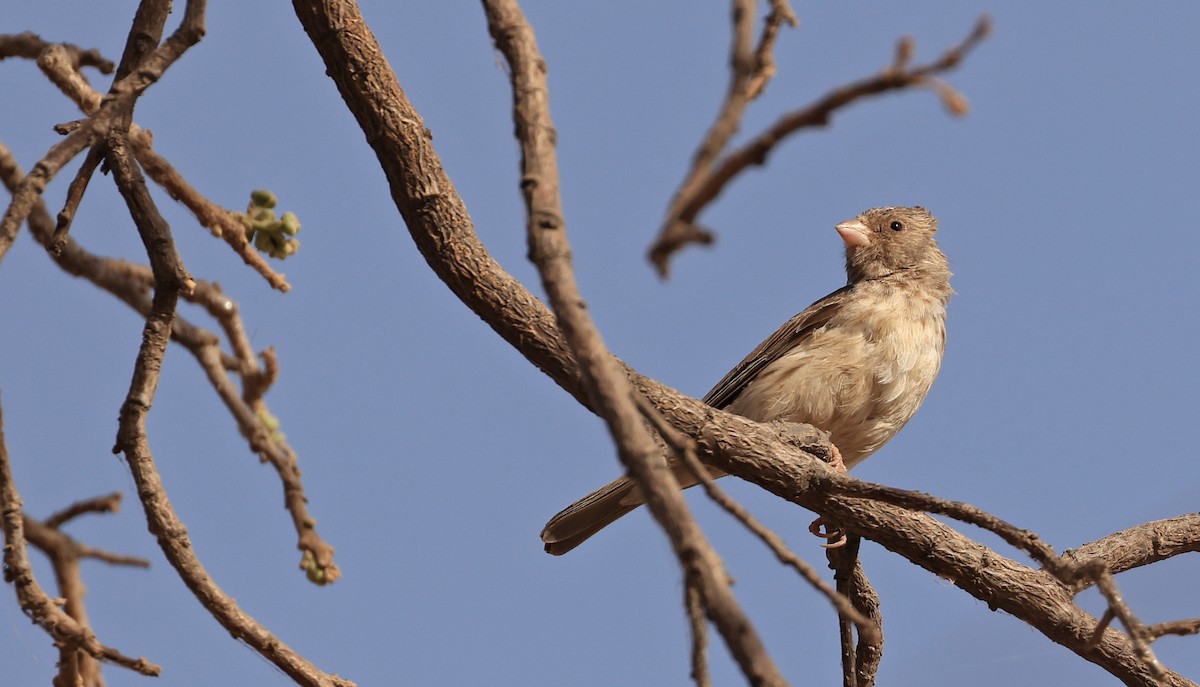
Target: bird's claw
column 836, row 461
column 834, row 536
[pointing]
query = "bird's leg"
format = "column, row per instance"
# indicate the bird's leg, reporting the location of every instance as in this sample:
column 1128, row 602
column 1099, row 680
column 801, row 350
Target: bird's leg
column 834, row 536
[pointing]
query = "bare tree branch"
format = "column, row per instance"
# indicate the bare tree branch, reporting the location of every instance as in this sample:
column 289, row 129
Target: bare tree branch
column 684, row 448
column 27, row 193
column 109, row 503
column 1174, row 627
column 132, row 284
column 29, row 45
column 1039, row 598
column 709, row 177
column 698, row 627
column 69, row 633
column 62, row 66
column 74, row 666
column 249, row 410
column 1140, row 545
column 171, row 278
column 603, row 379
column 861, row 658
column 109, row 128
column 751, row 67
column 221, row 222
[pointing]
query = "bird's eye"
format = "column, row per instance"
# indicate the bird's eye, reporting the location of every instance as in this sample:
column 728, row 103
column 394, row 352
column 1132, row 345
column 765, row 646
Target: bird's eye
column 896, row 225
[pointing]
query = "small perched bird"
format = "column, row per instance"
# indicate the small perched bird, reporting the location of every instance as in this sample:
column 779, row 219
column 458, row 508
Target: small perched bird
column 857, row 363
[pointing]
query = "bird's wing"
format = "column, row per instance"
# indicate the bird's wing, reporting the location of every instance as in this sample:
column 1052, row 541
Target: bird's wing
column 793, row 333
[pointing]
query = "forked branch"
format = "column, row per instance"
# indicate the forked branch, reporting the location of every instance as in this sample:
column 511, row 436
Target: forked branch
column 709, row 175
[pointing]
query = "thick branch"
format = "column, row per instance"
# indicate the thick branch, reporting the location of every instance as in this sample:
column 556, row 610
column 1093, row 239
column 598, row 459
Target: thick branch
column 1037, row 597
column 1140, row 545
column 603, row 379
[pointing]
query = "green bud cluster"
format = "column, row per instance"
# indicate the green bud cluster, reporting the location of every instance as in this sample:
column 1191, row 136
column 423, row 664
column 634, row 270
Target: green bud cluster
column 270, row 234
column 314, row 572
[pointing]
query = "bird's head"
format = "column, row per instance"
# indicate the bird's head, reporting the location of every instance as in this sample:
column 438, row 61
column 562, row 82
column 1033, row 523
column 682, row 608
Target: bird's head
column 882, row 241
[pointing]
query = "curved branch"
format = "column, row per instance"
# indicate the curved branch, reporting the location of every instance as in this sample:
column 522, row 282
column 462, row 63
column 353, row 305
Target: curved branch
column 170, row 280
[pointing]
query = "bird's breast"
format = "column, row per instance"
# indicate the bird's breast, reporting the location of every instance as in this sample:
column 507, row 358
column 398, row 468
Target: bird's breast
column 861, row 377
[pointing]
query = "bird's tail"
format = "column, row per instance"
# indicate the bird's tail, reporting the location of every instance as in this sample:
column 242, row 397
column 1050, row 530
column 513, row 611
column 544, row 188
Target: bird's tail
column 590, row 514
column 599, row 509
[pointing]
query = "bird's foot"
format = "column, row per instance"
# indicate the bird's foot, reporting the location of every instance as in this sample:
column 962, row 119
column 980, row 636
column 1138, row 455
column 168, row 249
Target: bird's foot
column 836, row 461
column 834, row 536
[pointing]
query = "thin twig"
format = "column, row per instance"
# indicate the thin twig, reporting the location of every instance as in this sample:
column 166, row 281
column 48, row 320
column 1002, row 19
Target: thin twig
column 223, row 223
column 150, row 68
column 109, row 503
column 1173, row 627
column 74, row 195
column 751, row 67
column 1024, row 540
column 132, row 284
column 61, row 65
column 698, row 627
column 171, row 278
column 1139, row 545
column 764, row 55
column 1134, row 627
column 65, row 630
column 74, row 665
column 30, row 189
column 58, row 64
column 705, row 184
column 29, row 45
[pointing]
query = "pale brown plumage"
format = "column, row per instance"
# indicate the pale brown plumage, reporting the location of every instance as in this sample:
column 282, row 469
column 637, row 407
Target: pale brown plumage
column 857, row 363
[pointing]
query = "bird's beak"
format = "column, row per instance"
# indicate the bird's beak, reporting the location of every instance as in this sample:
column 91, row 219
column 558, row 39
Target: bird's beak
column 854, row 233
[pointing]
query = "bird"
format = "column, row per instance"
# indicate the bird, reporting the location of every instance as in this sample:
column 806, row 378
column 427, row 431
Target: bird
column 857, row 363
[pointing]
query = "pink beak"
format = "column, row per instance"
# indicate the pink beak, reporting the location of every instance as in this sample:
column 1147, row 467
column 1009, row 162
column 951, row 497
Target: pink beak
column 854, row 233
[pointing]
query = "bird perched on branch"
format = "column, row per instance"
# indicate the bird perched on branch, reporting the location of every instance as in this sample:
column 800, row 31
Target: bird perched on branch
column 857, row 363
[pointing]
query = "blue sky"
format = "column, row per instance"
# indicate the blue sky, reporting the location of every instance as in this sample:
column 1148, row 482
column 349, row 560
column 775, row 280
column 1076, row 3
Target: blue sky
column 433, row 453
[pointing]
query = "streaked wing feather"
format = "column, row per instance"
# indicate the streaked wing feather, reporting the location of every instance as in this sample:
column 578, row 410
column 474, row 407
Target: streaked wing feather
column 791, row 334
